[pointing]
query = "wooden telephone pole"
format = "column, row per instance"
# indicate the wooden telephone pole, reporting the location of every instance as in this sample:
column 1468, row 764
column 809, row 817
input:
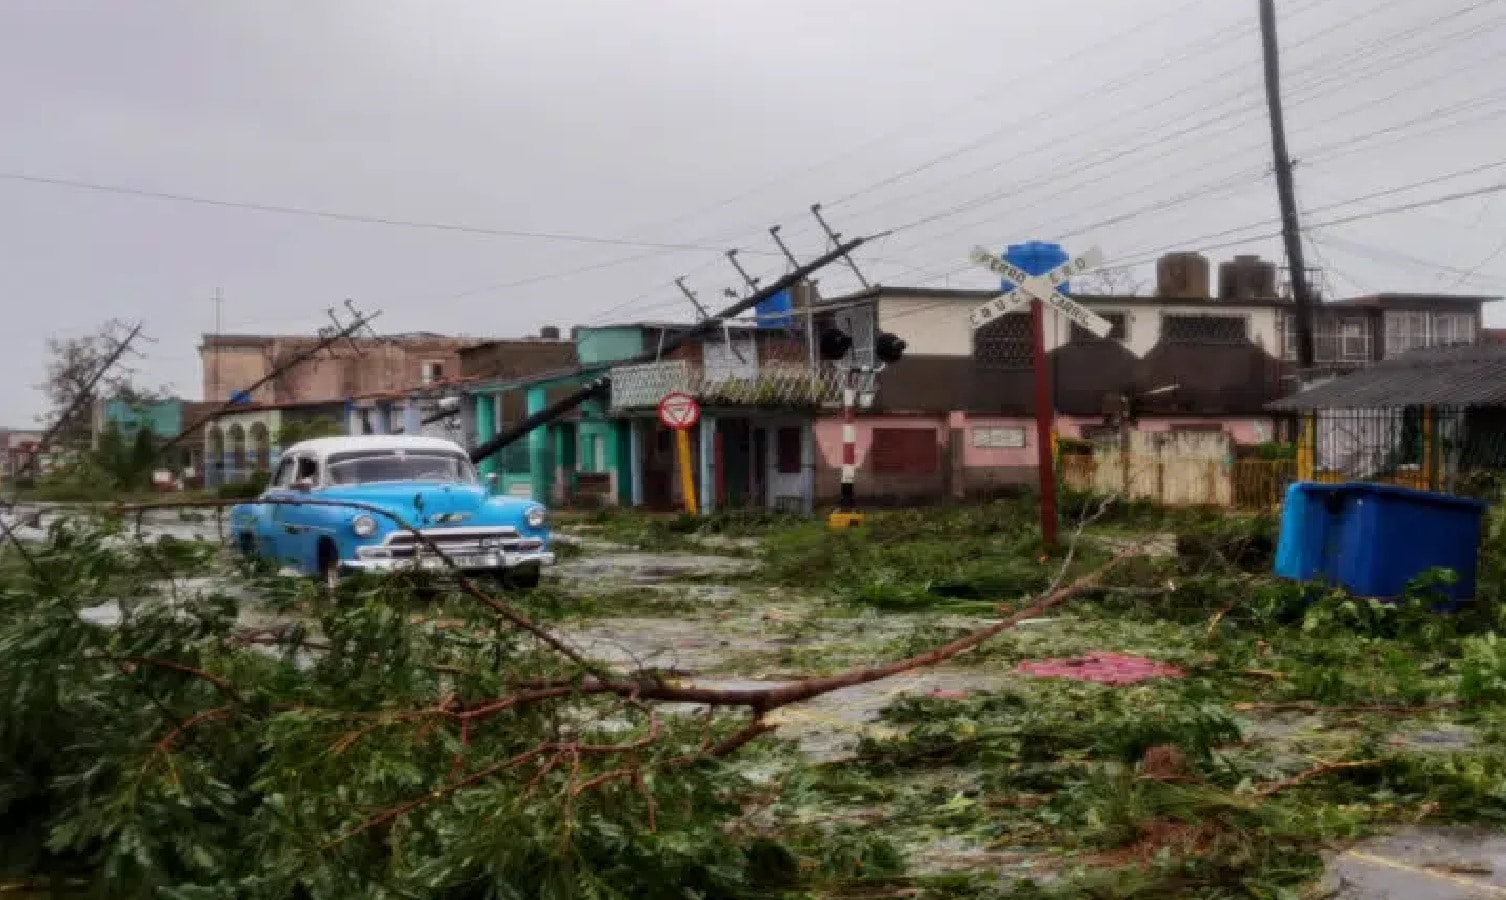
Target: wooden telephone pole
column 1291, row 230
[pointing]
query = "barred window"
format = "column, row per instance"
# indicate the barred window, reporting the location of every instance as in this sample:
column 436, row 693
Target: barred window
column 1118, row 331
column 1405, row 331
column 1334, row 340
column 1413, row 330
column 1197, row 329
column 1453, row 329
column 1004, row 343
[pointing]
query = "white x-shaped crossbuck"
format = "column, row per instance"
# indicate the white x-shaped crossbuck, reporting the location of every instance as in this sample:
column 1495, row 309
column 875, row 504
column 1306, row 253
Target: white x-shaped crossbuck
column 1041, row 289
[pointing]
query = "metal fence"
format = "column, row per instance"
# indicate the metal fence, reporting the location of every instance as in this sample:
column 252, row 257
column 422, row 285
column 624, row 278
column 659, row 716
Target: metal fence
column 1450, row 449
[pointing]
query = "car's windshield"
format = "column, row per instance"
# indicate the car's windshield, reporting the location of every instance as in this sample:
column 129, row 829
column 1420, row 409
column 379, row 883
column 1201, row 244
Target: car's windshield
column 400, row 465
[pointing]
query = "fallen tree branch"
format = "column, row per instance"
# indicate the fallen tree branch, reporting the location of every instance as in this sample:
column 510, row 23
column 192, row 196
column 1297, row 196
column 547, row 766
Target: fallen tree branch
column 1326, row 768
column 224, row 686
column 574, row 751
column 763, row 700
column 1386, row 708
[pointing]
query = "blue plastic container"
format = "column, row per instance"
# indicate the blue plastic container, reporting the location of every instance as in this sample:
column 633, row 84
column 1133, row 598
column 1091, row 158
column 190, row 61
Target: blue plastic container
column 1373, row 539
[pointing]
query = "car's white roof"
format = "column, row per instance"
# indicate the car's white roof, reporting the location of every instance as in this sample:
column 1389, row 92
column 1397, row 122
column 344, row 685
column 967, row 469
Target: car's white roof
column 324, row 447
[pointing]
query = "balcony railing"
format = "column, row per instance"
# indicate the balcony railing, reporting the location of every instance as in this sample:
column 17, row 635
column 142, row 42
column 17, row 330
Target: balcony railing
column 770, row 384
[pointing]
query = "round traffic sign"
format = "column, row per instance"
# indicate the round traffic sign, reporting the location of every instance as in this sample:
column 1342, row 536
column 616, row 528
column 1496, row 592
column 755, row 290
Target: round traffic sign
column 679, row 411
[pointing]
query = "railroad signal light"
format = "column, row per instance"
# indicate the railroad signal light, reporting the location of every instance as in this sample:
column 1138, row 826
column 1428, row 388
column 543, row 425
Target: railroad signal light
column 889, row 348
column 833, row 343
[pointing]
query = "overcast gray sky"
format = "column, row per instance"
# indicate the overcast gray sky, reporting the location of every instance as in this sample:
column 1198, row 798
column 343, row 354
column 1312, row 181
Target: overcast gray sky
column 1134, row 126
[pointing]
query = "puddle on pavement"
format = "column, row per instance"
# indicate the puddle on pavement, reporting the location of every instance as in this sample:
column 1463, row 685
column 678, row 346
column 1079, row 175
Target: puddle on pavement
column 650, row 568
column 1421, row 864
column 31, row 523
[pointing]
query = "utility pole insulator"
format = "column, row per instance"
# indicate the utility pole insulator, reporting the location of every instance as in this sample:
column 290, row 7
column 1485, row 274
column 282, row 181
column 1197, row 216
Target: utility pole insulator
column 836, row 239
column 691, row 296
column 783, row 247
column 748, row 279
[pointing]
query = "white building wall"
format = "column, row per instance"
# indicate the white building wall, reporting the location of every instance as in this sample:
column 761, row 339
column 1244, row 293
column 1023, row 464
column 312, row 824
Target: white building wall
column 933, row 326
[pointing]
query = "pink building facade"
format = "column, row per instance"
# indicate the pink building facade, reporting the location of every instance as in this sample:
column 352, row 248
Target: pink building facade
column 958, row 455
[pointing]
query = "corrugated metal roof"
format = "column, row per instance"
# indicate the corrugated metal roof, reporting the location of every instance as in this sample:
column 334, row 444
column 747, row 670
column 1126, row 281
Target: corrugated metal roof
column 1449, row 376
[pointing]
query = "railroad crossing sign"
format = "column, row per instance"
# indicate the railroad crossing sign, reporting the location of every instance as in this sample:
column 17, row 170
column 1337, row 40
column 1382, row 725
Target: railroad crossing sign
column 679, row 411
column 1040, row 288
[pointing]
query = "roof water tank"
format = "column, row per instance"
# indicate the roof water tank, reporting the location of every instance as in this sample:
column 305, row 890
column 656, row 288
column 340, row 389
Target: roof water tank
column 1183, row 275
column 549, row 333
column 1247, row 278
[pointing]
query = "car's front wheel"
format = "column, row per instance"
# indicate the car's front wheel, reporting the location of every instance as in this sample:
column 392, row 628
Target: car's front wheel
column 522, row 578
column 329, row 565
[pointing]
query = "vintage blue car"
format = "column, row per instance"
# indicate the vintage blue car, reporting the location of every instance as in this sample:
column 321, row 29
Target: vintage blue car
column 428, row 483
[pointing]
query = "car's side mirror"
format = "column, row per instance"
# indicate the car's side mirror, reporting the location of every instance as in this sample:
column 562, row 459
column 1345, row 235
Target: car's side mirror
column 491, row 478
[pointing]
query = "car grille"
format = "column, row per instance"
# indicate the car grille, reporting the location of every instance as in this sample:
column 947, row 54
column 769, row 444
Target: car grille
column 456, row 541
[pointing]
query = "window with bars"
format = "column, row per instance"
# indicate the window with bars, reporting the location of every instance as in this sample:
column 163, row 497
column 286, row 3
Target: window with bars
column 1405, row 331
column 1414, row 330
column 1004, row 343
column 1191, row 328
column 1334, row 340
column 1119, row 330
column 905, row 451
column 1452, row 329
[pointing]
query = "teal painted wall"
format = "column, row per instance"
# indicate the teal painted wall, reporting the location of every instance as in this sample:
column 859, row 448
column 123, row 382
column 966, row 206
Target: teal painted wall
column 486, row 428
column 595, row 434
column 529, row 465
column 608, row 344
column 164, row 419
column 622, row 459
column 540, row 445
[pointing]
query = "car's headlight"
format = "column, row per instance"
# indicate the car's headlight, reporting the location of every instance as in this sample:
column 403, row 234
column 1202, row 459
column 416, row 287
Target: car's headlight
column 363, row 525
column 536, row 517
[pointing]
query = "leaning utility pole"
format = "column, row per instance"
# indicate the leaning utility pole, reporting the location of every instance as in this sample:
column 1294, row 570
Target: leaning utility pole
column 600, row 383
column 327, row 337
column 85, row 396
column 1291, row 230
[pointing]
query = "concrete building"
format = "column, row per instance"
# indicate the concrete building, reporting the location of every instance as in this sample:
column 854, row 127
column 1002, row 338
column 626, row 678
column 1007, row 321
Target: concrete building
column 245, row 441
column 360, row 366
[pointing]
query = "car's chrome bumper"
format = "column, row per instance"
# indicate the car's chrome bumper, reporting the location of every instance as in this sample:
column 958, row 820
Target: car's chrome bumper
column 479, row 561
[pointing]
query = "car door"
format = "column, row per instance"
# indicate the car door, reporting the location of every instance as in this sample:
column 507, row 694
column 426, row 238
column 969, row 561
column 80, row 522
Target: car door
column 295, row 541
column 268, row 528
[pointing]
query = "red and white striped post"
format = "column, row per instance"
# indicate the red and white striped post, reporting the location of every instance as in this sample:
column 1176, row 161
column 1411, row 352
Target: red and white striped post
column 848, row 496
